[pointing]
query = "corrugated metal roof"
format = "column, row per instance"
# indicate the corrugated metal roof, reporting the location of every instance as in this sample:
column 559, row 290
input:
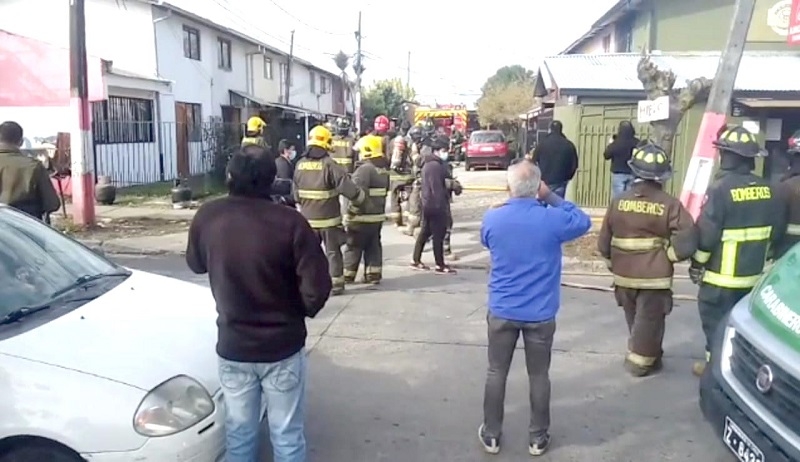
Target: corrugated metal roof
column 762, row 71
column 220, row 15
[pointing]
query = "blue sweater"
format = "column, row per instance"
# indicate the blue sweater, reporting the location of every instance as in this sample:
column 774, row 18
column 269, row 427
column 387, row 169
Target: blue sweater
column 524, row 238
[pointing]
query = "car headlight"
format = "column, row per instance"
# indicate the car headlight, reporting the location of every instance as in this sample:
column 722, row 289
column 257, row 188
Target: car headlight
column 172, row 407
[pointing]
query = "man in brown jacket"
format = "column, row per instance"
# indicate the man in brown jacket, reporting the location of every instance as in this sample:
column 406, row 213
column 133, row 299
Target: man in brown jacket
column 318, row 183
column 24, row 181
column 645, row 232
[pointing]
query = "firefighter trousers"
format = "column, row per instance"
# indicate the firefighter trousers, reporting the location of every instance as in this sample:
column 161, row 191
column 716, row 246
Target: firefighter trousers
column 333, row 239
column 645, row 313
column 414, row 209
column 714, row 303
column 364, row 243
column 396, row 203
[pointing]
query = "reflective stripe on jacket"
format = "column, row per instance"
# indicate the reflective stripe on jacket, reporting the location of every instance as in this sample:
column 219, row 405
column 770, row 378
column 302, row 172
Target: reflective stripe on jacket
column 318, row 182
column 343, row 152
column 375, row 181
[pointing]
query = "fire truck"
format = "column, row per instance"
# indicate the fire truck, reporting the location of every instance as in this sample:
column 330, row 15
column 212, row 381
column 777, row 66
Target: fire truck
column 448, row 117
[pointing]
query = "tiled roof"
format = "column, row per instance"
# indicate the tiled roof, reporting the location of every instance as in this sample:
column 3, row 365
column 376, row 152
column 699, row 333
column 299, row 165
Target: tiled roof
column 759, row 71
column 222, row 15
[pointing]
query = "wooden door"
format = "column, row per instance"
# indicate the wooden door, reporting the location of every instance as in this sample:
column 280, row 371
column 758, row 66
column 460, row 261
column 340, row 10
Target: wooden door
column 182, row 139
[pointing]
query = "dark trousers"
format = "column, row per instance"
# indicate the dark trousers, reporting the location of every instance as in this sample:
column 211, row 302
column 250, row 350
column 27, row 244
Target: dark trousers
column 537, row 337
column 559, row 189
column 645, row 313
column 434, row 227
column 333, row 239
column 364, row 241
column 714, row 303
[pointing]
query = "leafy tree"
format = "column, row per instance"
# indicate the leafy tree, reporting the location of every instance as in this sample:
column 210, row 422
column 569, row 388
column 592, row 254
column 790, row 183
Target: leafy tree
column 386, row 97
column 507, row 75
column 342, row 61
column 501, row 106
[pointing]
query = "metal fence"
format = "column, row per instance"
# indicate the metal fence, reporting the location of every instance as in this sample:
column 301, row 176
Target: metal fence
column 134, row 153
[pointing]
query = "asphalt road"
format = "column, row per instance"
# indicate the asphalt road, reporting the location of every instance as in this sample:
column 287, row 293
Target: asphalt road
column 396, row 374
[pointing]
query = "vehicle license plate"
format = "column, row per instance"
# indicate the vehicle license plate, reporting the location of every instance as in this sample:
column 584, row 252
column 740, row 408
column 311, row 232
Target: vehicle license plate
column 738, row 442
column 487, row 149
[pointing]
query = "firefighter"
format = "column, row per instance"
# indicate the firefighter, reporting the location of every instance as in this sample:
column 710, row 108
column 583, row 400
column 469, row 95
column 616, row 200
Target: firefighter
column 742, row 216
column 318, row 183
column 454, row 188
column 365, row 223
column 789, row 190
column 381, row 128
column 400, row 176
column 254, row 134
column 414, row 196
column 644, row 233
column 343, row 144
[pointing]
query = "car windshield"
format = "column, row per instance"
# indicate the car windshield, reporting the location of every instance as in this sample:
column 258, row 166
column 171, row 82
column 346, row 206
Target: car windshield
column 486, row 137
column 38, row 262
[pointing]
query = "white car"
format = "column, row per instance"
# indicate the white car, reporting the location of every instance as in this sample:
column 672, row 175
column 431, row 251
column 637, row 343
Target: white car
column 98, row 362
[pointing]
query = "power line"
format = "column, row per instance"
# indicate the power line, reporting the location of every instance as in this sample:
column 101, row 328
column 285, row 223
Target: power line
column 305, row 23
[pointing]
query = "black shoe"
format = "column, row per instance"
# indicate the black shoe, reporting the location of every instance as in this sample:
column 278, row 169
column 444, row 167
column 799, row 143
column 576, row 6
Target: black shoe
column 490, row 445
column 539, row 445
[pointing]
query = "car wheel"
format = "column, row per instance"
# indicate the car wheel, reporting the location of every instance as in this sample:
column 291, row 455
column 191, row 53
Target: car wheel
column 38, row 453
column 466, row 165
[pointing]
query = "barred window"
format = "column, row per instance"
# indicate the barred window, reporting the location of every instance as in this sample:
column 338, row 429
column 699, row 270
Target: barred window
column 123, row 120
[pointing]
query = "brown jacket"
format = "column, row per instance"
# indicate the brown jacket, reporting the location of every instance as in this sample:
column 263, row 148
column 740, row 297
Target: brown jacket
column 318, row 182
column 789, row 191
column 25, row 183
column 375, row 181
column 645, row 231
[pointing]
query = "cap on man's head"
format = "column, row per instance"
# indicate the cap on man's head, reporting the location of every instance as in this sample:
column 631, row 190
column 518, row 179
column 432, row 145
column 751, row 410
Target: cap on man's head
column 11, row 133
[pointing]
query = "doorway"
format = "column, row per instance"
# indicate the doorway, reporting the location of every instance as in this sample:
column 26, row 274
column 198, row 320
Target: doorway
column 182, row 139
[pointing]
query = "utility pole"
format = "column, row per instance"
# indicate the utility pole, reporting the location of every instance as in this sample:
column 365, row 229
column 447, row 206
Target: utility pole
column 359, row 69
column 81, row 157
column 289, row 64
column 701, row 166
column 408, row 71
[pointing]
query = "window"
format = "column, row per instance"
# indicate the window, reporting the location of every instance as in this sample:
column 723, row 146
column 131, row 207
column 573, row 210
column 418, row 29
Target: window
column 284, row 71
column 191, row 43
column 224, row 54
column 607, row 44
column 624, row 34
column 324, row 85
column 192, row 115
column 481, row 137
column 267, row 68
column 312, row 79
column 123, row 120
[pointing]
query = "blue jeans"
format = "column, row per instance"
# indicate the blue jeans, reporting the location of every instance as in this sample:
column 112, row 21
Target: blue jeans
column 620, row 182
column 249, row 390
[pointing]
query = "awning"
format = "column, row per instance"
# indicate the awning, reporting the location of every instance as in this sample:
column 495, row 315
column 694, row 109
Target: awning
column 255, row 101
column 35, row 74
column 125, row 79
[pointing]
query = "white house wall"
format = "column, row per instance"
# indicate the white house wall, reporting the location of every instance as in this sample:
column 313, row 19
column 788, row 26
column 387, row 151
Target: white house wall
column 301, row 94
column 266, row 87
column 121, row 32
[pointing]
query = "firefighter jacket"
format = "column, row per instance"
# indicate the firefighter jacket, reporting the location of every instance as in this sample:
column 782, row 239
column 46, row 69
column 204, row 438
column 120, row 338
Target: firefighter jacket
column 255, row 140
column 789, row 191
column 741, row 218
column 375, row 181
column 343, row 152
column 318, row 182
column 645, row 231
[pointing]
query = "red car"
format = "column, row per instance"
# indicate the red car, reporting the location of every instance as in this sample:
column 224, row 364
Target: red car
column 487, row 148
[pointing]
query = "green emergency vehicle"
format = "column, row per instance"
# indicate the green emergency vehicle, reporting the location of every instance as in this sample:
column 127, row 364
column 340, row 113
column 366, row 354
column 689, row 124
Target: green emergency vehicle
column 751, row 392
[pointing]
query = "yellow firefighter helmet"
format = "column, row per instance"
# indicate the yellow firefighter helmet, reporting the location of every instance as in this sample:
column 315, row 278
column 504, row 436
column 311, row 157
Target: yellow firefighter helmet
column 371, row 147
column 320, row 137
column 255, row 124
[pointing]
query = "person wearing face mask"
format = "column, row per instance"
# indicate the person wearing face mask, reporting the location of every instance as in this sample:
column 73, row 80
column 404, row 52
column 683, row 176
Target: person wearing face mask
column 435, row 205
column 24, row 181
column 282, row 187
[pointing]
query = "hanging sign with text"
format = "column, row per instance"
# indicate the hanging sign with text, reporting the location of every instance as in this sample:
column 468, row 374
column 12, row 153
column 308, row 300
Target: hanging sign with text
column 653, row 110
column 793, row 37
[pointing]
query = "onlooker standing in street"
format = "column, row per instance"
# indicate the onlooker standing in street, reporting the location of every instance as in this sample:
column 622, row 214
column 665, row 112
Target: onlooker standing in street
column 557, row 159
column 284, row 164
column 524, row 239
column 619, row 153
column 24, row 181
column 265, row 281
column 435, row 197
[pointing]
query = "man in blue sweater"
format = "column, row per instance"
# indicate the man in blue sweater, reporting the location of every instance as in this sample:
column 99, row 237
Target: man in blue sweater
column 524, row 237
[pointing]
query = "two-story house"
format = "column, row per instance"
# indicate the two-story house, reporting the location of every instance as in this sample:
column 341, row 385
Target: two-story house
column 594, row 80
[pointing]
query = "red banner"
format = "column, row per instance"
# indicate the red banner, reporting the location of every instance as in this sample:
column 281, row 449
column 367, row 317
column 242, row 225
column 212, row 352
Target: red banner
column 36, row 74
column 794, row 24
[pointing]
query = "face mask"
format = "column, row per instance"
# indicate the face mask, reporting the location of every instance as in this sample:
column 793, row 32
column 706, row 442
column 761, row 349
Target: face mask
column 443, row 155
column 292, row 154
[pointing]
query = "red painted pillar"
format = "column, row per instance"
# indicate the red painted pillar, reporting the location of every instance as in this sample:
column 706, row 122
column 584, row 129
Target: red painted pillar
column 81, row 148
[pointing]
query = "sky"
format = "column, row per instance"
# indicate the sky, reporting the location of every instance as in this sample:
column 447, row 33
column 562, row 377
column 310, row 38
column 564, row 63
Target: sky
column 455, row 45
